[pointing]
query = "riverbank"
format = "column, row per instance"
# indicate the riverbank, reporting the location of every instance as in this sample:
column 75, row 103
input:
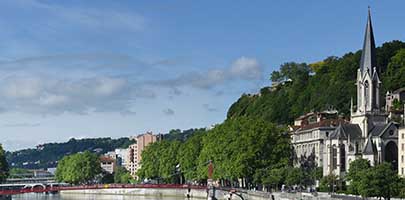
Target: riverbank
column 168, row 192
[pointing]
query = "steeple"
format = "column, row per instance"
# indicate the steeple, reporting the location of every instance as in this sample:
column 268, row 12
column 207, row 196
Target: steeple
column 368, row 58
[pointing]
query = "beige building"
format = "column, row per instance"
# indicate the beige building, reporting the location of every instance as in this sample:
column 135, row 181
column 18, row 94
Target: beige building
column 310, row 132
column 401, row 152
column 107, row 164
column 135, row 151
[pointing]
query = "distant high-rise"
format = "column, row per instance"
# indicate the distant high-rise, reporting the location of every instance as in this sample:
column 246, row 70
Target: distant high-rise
column 135, row 151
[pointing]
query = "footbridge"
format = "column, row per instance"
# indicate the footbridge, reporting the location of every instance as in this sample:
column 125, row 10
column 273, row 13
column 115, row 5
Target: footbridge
column 12, row 189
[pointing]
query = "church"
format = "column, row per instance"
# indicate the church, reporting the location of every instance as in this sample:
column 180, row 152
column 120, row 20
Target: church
column 369, row 134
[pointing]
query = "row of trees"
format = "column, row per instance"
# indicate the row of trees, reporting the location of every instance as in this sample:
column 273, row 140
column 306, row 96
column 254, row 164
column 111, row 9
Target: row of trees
column 241, row 150
column 85, row 168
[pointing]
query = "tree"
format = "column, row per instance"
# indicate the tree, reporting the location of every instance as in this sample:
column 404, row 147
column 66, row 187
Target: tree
column 240, row 147
column 385, row 181
column 328, row 183
column 159, row 161
column 294, row 176
column 78, row 168
column 3, row 165
column 188, row 155
column 121, row 175
column 357, row 172
column 393, row 78
column 274, row 177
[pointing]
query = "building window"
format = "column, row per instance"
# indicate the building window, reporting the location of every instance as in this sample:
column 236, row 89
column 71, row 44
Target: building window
column 327, row 134
column 403, row 136
column 402, row 158
column 402, row 146
column 342, row 152
column 334, row 158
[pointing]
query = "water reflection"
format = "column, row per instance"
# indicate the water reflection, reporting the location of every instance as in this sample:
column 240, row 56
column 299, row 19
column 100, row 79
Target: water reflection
column 89, row 197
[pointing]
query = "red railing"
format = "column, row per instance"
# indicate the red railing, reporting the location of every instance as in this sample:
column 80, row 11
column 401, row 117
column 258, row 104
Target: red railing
column 41, row 189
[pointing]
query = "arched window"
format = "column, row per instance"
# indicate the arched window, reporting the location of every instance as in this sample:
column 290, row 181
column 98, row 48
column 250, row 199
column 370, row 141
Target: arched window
column 342, row 152
column 366, row 93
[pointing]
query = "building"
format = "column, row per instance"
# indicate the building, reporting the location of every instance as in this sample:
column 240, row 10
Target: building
column 135, row 151
column 370, row 134
column 107, row 164
column 401, row 152
column 310, row 132
column 395, row 105
column 122, row 156
column 119, row 155
column 391, row 97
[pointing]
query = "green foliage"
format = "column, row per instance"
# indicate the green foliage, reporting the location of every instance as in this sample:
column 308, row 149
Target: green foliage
column 394, row 76
column 159, row 160
column 294, row 176
column 357, row 170
column 177, row 134
column 385, row 181
column 327, row 183
column 315, row 86
column 4, row 170
column 378, row 181
column 239, row 147
column 188, row 155
column 20, row 172
column 50, row 153
column 78, row 168
column 121, row 175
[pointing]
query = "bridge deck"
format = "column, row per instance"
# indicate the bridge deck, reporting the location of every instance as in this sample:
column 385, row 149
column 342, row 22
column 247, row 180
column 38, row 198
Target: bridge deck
column 41, row 189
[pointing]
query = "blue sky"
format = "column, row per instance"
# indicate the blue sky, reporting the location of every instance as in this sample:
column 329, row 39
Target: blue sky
column 120, row 68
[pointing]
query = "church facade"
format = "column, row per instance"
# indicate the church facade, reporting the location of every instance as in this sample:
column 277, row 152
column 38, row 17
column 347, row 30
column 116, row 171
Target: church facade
column 369, row 133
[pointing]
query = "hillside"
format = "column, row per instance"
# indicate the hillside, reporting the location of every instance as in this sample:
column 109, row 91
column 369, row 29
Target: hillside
column 46, row 155
column 326, row 84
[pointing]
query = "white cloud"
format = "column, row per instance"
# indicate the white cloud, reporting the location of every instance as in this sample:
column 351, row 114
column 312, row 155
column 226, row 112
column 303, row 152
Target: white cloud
column 243, row 68
column 49, row 95
column 246, row 68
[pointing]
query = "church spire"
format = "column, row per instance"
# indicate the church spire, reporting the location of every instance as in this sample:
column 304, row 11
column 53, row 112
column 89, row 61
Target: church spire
column 368, row 58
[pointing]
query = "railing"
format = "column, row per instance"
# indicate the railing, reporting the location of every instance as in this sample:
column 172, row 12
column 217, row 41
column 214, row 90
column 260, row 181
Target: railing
column 41, row 189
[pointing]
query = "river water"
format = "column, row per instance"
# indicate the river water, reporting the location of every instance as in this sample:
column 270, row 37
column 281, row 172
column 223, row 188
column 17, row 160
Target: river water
column 88, row 197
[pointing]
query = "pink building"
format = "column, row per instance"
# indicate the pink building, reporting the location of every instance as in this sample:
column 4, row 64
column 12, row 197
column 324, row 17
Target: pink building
column 135, row 151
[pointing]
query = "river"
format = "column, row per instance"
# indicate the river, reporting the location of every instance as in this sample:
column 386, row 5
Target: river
column 88, row 197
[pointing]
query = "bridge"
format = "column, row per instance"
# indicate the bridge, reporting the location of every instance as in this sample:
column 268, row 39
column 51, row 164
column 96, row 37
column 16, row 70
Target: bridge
column 13, row 189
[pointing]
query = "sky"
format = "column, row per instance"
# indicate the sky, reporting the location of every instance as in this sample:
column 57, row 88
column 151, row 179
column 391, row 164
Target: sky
column 121, row 68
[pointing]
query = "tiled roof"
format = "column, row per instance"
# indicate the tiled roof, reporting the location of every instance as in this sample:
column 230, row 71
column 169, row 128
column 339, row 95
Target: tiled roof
column 343, row 131
column 324, row 123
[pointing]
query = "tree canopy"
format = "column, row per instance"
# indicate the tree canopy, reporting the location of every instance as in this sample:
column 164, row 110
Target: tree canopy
column 78, row 168
column 308, row 87
column 4, row 170
column 238, row 148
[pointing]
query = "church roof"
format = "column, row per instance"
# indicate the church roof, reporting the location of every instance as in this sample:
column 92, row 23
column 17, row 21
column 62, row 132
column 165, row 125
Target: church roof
column 368, row 58
column 343, row 131
column 378, row 129
column 370, row 148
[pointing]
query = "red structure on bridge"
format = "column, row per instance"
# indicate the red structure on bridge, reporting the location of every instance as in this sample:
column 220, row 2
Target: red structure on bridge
column 54, row 189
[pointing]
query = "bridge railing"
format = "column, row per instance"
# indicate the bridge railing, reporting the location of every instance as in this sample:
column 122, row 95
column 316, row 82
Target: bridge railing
column 41, row 189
